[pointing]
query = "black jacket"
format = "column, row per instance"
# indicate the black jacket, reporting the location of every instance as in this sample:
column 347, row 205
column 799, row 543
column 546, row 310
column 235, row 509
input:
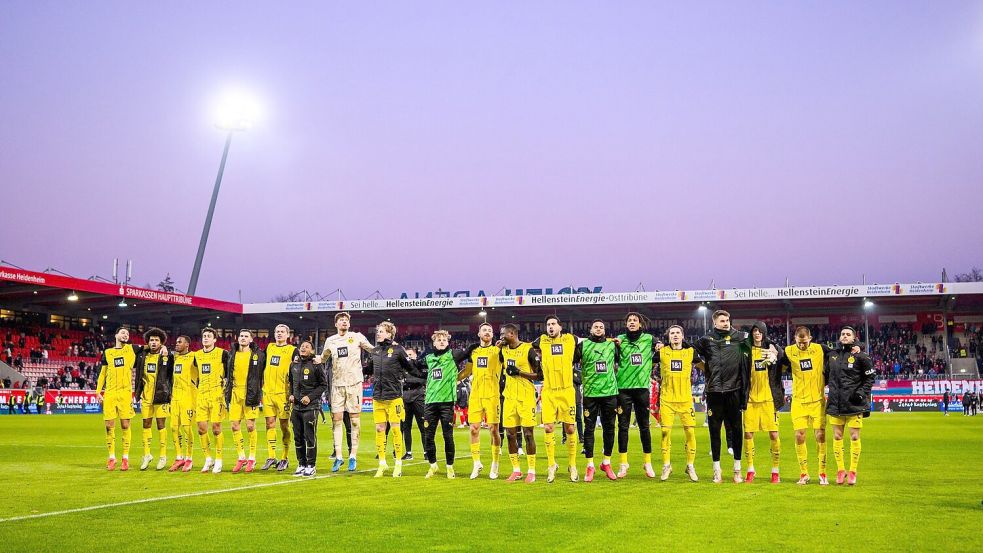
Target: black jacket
column 727, row 361
column 306, row 378
column 774, row 370
column 165, row 374
column 850, row 377
column 388, row 365
column 254, row 378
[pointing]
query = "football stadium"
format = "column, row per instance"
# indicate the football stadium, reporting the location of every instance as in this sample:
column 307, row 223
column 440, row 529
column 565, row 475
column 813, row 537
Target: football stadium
column 353, row 363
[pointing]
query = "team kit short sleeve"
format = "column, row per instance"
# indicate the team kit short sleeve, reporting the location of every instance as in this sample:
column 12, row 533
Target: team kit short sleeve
column 346, row 358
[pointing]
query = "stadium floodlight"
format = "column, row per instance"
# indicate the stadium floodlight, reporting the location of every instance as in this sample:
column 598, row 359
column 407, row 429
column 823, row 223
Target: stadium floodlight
column 122, row 303
column 73, row 296
column 868, row 304
column 702, row 309
column 482, row 313
column 235, row 112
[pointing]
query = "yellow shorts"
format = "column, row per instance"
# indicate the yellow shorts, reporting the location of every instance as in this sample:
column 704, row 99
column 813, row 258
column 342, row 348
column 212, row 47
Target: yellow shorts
column 849, row 421
column 760, row 416
column 154, row 411
column 670, row 409
column 238, row 410
column 809, row 415
column 388, row 410
column 346, row 398
column 182, row 412
column 559, row 406
column 490, row 408
column 275, row 405
column 519, row 413
column 117, row 406
column 211, row 409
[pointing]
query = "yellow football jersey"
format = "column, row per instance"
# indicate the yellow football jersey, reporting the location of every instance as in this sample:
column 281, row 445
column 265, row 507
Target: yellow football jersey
column 185, row 385
column 807, row 372
column 211, row 371
column 277, row 368
column 676, row 368
column 151, row 364
column 116, row 374
column 516, row 387
column 557, row 360
column 486, row 372
column 240, row 370
column 760, row 385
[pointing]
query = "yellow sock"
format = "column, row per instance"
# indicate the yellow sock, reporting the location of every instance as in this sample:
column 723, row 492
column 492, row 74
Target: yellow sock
column 749, row 452
column 776, row 452
column 189, row 441
column 148, row 436
column 253, row 440
column 127, row 433
column 854, row 454
column 838, row 453
column 531, row 463
column 475, row 453
column 690, row 434
column 666, row 444
column 219, row 442
column 287, row 435
column 178, row 441
column 624, row 458
column 648, row 458
column 271, row 444
column 111, row 441
column 821, row 449
column 550, row 441
column 380, row 446
column 803, row 456
column 572, row 450
column 514, row 459
column 162, row 436
column 206, row 446
column 496, row 453
column 240, row 444
column 398, row 444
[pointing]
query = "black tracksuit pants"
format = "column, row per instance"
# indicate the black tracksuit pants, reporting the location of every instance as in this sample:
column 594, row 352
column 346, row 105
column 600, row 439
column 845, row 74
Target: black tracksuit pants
column 414, row 406
column 305, row 436
column 724, row 408
column 634, row 400
column 442, row 413
column 606, row 408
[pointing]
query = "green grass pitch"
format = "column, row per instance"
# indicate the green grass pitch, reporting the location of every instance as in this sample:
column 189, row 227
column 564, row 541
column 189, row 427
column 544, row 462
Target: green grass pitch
column 920, row 488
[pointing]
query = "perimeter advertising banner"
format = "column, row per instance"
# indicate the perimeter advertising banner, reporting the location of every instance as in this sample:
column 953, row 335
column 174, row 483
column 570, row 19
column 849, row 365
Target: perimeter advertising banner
column 55, row 402
column 612, row 298
column 921, row 395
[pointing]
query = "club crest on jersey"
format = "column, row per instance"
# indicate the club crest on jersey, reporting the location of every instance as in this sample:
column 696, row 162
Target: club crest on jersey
column 727, row 339
column 482, row 363
column 351, row 340
column 556, row 349
column 118, row 362
column 390, row 352
column 850, row 360
column 343, row 351
column 255, row 358
column 307, row 371
column 586, row 412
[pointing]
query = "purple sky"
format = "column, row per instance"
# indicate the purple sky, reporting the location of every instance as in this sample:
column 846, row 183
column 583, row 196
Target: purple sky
column 467, row 146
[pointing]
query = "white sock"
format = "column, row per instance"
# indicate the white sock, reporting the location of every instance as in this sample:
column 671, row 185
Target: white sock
column 665, row 465
column 737, row 465
column 716, row 466
column 750, row 468
column 774, row 470
column 590, row 463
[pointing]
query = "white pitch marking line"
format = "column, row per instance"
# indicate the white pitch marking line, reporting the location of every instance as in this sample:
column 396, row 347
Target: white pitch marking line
column 192, row 494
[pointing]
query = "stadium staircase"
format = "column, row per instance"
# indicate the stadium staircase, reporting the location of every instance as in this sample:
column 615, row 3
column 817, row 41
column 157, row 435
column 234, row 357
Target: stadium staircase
column 6, row 371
